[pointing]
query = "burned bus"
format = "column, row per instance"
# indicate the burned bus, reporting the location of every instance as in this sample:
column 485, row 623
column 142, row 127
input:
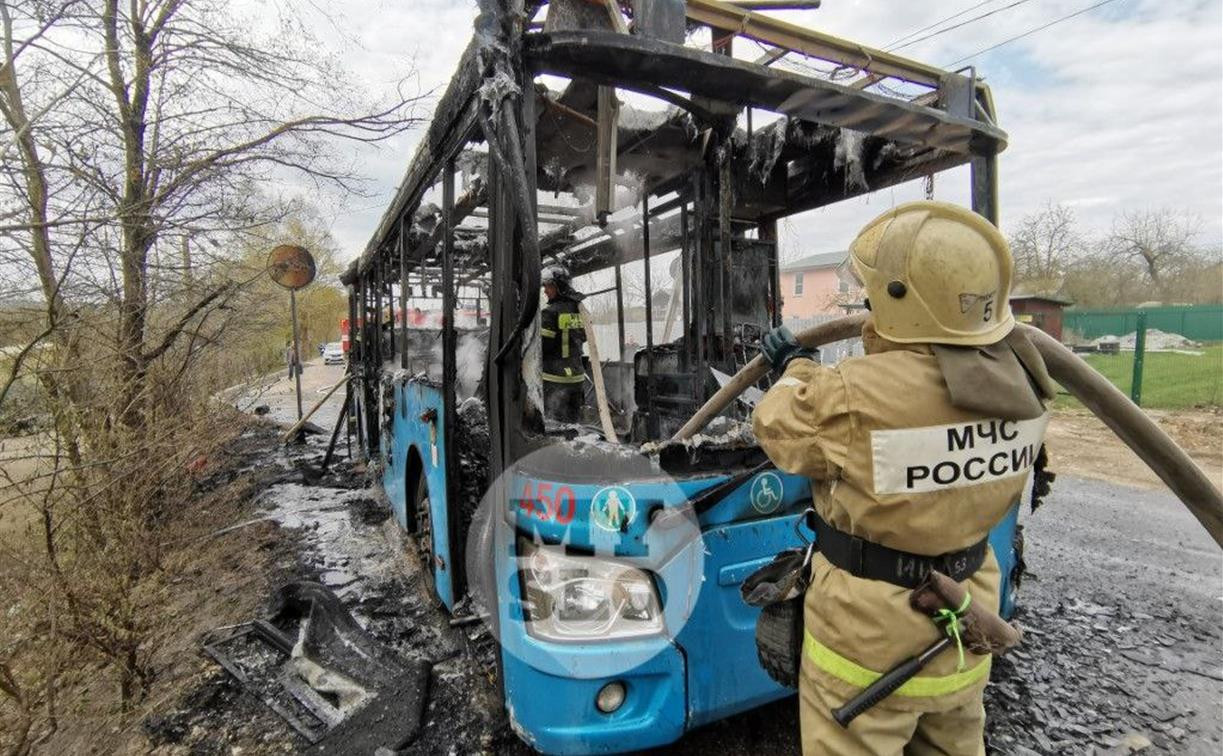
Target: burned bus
column 634, row 144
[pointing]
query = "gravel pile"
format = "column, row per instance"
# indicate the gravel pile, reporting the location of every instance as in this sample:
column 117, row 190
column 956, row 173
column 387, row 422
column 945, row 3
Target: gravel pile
column 1156, row 341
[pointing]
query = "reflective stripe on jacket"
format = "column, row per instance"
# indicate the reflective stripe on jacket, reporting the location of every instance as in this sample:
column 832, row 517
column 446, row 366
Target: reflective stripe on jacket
column 562, row 334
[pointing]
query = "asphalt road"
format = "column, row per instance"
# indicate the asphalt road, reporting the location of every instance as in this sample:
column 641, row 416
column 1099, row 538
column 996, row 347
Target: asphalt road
column 1127, row 592
column 1140, row 542
column 279, row 394
column 1123, row 614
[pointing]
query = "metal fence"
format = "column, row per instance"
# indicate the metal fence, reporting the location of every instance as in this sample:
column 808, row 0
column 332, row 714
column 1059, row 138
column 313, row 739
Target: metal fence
column 608, row 335
column 1160, row 369
column 1196, row 322
column 830, row 354
column 1155, row 371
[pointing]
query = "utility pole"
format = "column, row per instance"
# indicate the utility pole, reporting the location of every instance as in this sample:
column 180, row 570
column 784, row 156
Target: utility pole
column 297, row 351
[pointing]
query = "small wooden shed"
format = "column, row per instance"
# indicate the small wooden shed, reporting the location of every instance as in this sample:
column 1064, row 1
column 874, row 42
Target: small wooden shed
column 1041, row 310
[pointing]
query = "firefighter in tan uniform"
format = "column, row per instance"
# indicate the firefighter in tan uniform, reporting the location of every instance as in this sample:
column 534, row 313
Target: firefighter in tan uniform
column 915, row 452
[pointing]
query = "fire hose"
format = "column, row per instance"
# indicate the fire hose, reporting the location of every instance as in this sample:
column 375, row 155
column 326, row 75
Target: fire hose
column 1167, row 460
column 596, row 369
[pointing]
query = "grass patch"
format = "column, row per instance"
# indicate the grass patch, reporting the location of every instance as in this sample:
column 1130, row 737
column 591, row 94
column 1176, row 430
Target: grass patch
column 1169, row 380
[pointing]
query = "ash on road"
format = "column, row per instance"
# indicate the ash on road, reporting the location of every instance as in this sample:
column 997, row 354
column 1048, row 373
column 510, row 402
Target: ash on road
column 1121, row 609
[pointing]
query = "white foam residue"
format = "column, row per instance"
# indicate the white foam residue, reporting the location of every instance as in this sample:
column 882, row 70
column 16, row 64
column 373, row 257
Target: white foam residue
column 848, row 155
column 324, row 515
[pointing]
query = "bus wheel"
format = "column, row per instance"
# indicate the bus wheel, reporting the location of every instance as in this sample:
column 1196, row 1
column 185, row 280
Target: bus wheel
column 779, row 632
column 424, row 535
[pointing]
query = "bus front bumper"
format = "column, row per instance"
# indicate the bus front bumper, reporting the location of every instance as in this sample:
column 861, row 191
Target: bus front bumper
column 551, row 691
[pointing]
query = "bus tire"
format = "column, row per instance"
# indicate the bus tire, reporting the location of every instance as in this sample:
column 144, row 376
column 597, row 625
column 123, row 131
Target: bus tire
column 481, row 569
column 779, row 630
column 423, row 535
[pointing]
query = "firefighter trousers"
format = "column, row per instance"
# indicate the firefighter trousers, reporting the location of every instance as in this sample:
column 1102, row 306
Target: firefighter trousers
column 888, row 732
column 563, row 401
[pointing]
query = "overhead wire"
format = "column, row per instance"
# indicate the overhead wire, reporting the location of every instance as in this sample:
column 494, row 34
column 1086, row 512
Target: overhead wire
column 960, row 25
column 938, row 23
column 1030, row 32
column 840, row 72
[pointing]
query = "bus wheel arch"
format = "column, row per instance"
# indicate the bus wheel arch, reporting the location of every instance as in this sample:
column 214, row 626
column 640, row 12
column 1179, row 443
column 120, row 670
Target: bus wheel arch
column 419, row 518
column 414, row 474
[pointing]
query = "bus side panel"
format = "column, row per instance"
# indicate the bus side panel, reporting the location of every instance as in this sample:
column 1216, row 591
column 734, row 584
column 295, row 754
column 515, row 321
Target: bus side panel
column 396, row 449
column 719, row 640
column 1002, row 540
column 411, row 434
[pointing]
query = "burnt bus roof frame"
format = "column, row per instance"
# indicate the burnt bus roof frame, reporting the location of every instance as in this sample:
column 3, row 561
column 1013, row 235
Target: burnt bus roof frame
column 945, row 138
column 647, row 65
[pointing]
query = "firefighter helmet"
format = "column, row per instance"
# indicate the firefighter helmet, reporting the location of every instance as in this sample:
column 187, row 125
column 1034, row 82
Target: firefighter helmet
column 935, row 272
column 557, row 275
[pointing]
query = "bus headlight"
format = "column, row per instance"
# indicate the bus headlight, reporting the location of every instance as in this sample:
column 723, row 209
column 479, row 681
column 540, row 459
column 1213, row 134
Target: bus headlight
column 585, row 598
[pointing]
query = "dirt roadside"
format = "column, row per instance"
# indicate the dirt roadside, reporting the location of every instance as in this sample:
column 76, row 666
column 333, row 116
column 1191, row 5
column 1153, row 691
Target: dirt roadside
column 278, row 394
column 205, row 578
column 1081, row 445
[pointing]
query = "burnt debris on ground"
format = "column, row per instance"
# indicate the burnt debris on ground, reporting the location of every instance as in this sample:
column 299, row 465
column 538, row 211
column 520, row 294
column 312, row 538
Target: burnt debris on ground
column 338, row 532
column 1106, row 667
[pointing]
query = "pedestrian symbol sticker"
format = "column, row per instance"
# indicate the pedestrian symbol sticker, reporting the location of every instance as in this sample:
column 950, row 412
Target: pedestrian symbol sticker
column 613, row 508
column 766, row 492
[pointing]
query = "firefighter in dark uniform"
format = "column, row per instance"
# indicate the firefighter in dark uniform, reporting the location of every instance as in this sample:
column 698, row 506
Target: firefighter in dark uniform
column 563, row 335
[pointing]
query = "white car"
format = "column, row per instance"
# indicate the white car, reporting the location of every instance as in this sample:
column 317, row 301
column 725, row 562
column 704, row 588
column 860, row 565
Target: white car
column 333, row 354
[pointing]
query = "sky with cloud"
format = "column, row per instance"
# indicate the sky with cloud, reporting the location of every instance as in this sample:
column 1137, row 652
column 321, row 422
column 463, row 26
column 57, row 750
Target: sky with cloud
column 1119, row 108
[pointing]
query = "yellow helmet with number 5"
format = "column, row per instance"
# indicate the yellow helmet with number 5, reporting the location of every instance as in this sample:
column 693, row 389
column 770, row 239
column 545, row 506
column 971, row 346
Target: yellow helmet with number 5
column 935, row 273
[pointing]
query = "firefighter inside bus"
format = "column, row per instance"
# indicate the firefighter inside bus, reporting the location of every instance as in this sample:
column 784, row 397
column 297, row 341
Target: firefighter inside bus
column 562, row 335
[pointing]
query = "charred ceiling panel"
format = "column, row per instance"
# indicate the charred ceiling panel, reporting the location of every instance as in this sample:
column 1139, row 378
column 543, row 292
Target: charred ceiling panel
column 760, row 185
column 645, row 64
column 653, row 145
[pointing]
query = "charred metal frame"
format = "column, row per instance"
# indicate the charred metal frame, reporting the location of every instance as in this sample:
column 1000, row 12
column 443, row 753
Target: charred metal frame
column 651, row 417
column 493, row 98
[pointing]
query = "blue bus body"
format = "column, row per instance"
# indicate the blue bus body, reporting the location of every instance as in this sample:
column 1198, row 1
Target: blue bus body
column 706, row 672
column 546, row 170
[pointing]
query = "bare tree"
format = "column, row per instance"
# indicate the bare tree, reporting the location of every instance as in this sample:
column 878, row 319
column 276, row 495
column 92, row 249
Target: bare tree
column 166, row 117
column 138, row 145
column 33, row 169
column 1043, row 245
column 27, row 173
column 1156, row 238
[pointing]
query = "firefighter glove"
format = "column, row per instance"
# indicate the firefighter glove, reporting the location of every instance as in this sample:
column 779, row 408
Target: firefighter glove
column 779, row 347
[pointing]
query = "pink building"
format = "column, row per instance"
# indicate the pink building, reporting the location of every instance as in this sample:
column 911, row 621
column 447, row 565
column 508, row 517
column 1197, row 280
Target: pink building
column 810, row 286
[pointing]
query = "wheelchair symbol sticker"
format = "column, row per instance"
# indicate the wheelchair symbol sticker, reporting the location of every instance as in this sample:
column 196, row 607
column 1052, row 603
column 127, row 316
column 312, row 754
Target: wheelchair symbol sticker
column 613, row 508
column 766, row 493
